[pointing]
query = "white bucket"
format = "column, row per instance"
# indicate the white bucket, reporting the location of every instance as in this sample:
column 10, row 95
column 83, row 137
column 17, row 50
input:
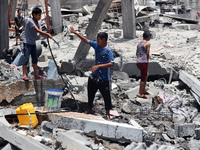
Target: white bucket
column 53, row 99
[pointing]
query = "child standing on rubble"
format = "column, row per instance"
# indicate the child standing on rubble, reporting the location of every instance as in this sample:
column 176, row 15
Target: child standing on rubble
column 101, row 74
column 33, row 26
column 142, row 53
column 18, row 24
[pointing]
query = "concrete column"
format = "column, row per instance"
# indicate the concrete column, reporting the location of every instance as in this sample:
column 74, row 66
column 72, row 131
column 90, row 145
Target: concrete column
column 128, row 17
column 56, row 16
column 92, row 29
column 13, row 4
column 176, row 7
column 4, row 38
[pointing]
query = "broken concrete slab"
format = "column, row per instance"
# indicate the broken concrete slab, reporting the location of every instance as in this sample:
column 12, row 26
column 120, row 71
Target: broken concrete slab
column 186, row 26
column 8, row 91
column 191, row 81
column 73, row 140
column 103, row 128
column 153, row 69
column 20, row 141
column 9, row 147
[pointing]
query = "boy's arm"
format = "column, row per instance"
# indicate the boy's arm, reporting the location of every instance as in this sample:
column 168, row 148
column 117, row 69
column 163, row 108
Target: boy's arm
column 148, row 50
column 84, row 39
column 107, row 65
column 42, row 32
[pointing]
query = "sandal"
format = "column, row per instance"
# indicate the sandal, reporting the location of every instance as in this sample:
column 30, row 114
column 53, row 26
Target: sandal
column 41, row 77
column 25, row 78
column 143, row 96
column 146, row 93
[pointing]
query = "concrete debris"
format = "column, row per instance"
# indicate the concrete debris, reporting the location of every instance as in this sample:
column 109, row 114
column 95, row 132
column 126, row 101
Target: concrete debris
column 167, row 119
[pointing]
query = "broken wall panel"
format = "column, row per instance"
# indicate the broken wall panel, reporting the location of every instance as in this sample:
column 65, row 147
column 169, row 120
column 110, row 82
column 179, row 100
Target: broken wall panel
column 107, row 129
column 191, row 81
column 20, row 141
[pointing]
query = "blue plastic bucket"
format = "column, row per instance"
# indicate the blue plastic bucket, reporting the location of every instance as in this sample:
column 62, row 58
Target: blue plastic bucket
column 53, row 99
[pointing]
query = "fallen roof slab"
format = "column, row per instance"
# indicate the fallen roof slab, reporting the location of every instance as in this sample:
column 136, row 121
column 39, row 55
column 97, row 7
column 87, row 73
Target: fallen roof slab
column 100, row 127
column 20, row 141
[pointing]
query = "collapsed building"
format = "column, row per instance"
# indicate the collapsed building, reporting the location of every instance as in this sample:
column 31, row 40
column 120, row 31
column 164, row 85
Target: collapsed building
column 167, row 119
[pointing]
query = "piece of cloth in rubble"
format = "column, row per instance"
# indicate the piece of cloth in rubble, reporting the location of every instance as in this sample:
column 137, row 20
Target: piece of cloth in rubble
column 175, row 104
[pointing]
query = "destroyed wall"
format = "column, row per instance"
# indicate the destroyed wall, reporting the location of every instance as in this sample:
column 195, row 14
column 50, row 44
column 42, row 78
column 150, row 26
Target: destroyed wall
column 167, row 119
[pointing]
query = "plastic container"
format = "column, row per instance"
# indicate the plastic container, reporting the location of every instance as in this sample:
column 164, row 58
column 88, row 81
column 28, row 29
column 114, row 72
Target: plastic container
column 52, row 70
column 25, row 119
column 19, row 59
column 53, row 99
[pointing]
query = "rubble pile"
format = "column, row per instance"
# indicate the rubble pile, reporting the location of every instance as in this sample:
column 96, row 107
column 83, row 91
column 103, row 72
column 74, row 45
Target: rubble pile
column 167, row 119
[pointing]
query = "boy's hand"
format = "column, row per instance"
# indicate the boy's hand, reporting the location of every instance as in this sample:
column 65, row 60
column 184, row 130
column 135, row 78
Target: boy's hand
column 94, row 68
column 72, row 30
column 49, row 35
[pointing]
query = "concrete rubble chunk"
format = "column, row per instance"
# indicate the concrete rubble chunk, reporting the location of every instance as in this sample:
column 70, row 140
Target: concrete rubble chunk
column 193, row 145
column 197, row 132
column 185, row 130
column 9, row 91
column 20, row 141
column 167, row 55
column 108, row 129
column 129, row 107
column 45, row 130
column 133, row 92
column 43, row 58
column 171, row 133
column 178, row 118
column 191, row 81
column 9, row 147
column 191, row 39
column 165, row 137
column 73, row 140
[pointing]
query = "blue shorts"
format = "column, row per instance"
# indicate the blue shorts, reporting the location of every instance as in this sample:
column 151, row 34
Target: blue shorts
column 30, row 50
